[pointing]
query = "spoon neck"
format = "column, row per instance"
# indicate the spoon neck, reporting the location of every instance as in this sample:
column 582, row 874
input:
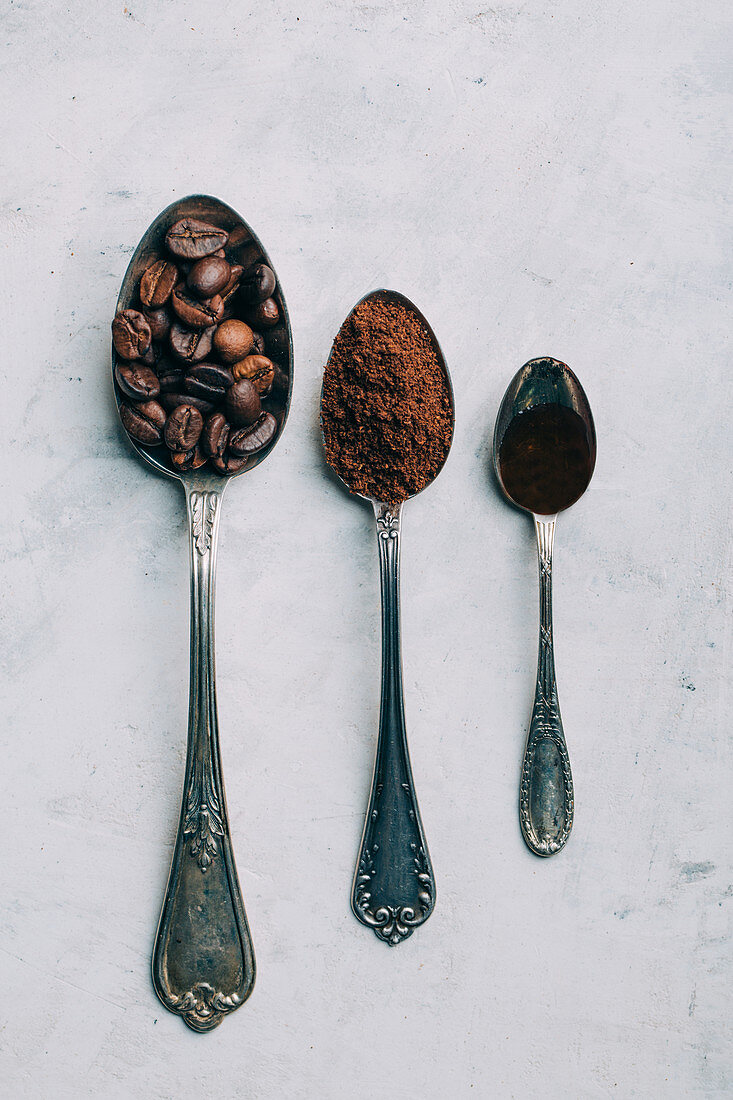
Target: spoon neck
column 388, row 520
column 545, row 531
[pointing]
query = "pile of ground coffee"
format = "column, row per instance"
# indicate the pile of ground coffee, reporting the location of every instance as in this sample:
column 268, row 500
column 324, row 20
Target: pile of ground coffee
column 386, row 409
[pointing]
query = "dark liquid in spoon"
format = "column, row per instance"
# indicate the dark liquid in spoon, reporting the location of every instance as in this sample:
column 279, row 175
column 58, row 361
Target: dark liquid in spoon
column 546, row 458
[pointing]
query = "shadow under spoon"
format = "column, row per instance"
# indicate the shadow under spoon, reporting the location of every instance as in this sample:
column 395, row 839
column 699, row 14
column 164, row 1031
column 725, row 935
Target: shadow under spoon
column 393, row 891
column 203, row 960
column 544, row 453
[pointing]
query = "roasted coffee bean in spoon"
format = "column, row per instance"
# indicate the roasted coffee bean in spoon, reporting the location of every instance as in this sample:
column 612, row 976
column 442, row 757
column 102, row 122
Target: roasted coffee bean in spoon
column 190, row 345
column 258, row 283
column 228, row 464
column 233, row 340
column 137, row 381
column 174, row 398
column 157, row 283
column 208, row 277
column 248, row 441
column 145, row 423
column 192, row 239
column 259, row 370
column 266, row 314
column 183, row 428
column 159, row 321
column 215, row 435
column 194, row 313
column 208, row 380
column 242, row 404
column 188, row 460
column 131, row 334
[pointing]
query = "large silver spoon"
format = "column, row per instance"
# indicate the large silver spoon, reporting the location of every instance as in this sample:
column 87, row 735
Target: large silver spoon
column 544, row 454
column 203, row 961
column 393, row 891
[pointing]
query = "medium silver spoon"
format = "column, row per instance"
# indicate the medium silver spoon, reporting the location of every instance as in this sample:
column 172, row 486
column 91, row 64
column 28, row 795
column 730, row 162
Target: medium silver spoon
column 203, row 961
column 393, row 891
column 544, row 454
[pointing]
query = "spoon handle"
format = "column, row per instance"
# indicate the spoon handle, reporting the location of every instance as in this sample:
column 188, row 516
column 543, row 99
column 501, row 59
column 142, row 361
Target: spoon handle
column 394, row 888
column 546, row 791
column 203, row 963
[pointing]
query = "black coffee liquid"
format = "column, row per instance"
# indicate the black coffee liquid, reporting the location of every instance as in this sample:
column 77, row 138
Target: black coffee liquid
column 546, row 458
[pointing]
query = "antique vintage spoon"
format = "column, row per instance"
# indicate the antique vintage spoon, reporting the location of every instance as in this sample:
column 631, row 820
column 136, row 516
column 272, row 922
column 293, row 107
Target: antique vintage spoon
column 544, row 453
column 203, row 962
column 393, row 890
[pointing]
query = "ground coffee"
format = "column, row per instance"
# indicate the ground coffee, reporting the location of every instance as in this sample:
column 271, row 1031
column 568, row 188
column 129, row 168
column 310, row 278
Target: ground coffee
column 386, row 409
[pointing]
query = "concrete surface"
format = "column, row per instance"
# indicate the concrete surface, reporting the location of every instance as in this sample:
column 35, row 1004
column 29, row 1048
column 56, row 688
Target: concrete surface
column 540, row 178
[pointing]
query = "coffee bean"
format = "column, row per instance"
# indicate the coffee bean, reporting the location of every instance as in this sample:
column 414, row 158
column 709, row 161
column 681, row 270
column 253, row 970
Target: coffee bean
column 183, row 428
column 171, row 379
column 259, row 369
column 174, row 398
column 188, row 460
column 192, row 239
column 258, row 284
column 230, row 464
column 232, row 341
column 208, row 276
column 145, row 423
column 137, row 381
column 191, row 345
column 131, row 334
column 258, row 343
column 228, row 292
column 242, row 404
column 215, row 435
column 157, row 283
column 266, row 314
column 194, row 313
column 159, row 321
column 208, row 380
column 248, row 441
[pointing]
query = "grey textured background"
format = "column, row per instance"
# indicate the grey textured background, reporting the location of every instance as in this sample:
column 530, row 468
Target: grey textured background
column 540, row 178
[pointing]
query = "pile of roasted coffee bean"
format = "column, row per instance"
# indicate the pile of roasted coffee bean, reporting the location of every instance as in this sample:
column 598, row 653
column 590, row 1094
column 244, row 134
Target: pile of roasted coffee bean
column 191, row 369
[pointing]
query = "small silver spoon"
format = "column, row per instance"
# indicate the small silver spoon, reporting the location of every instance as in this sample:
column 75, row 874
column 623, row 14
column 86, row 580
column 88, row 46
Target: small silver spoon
column 203, row 961
column 393, row 891
column 544, row 454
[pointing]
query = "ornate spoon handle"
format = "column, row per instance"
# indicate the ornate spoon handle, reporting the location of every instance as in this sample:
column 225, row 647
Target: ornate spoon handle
column 546, row 791
column 203, row 963
column 394, row 889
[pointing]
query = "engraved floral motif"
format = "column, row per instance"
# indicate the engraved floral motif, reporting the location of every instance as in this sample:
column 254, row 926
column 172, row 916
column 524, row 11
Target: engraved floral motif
column 393, row 923
column 203, row 1007
column 203, row 509
column 203, row 822
column 388, row 525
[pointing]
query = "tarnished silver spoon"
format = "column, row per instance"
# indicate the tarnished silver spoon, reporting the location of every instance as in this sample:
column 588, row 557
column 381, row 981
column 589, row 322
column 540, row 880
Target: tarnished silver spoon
column 544, row 454
column 203, row 962
column 393, row 891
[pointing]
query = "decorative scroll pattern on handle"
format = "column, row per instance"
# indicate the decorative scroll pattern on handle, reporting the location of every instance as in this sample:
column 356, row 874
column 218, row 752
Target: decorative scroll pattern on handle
column 394, row 890
column 546, row 800
column 203, row 1008
column 394, row 923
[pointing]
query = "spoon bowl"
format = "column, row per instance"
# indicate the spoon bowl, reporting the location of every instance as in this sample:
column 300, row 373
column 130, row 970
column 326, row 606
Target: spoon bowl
column 243, row 248
column 383, row 295
column 393, row 890
column 544, row 454
column 544, row 448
